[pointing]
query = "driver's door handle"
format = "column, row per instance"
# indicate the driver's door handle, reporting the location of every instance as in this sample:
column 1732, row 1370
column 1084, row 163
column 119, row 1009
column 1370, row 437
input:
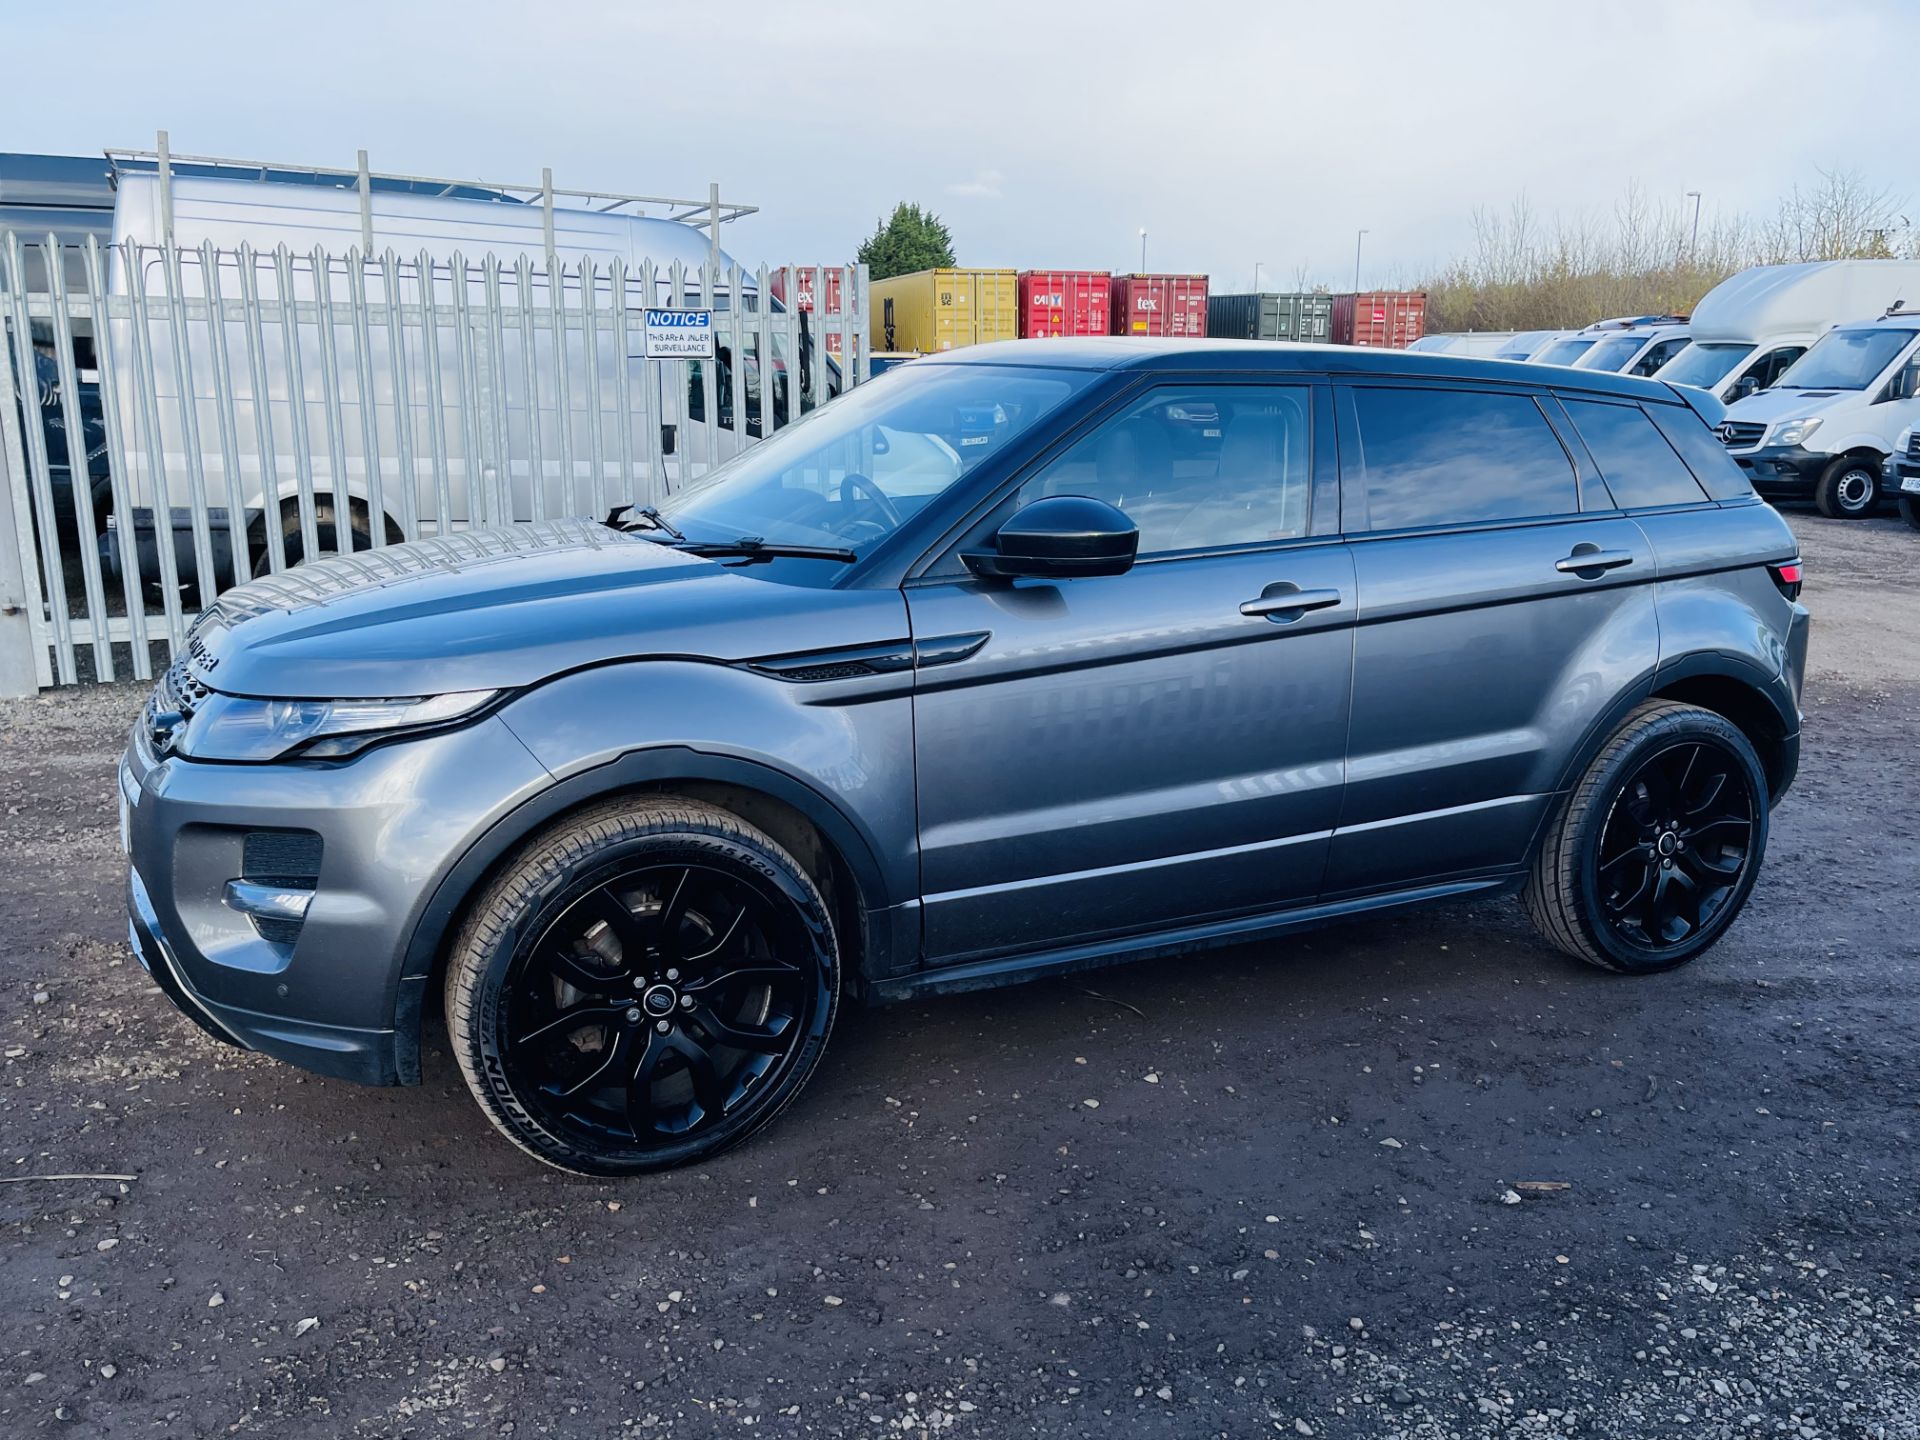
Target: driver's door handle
column 1276, row 603
column 1592, row 557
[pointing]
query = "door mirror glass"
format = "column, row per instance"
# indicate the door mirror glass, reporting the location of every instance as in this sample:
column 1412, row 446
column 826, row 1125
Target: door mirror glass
column 1060, row 537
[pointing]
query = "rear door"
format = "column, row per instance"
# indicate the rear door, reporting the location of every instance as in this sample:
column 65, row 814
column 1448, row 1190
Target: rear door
column 1505, row 602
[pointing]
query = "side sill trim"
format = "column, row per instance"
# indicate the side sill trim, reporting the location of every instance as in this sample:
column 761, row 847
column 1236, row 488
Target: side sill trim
column 1006, row 970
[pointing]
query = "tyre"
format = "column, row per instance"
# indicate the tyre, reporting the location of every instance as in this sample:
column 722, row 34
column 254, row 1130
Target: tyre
column 1910, row 510
column 1849, row 488
column 1653, row 854
column 643, row 986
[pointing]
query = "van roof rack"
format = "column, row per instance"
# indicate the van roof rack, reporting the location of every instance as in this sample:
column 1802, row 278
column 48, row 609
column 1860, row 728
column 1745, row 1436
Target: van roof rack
column 708, row 213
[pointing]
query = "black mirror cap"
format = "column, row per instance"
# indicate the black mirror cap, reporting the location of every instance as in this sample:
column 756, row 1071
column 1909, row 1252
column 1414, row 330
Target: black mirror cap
column 1061, row 536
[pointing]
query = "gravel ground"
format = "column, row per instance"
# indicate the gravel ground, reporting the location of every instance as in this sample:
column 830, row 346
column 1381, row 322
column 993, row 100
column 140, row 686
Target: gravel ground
column 1417, row 1177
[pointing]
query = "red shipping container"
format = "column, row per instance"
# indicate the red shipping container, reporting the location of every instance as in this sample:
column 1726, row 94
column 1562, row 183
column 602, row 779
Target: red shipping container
column 1382, row 319
column 807, row 283
column 1064, row 302
column 1160, row 305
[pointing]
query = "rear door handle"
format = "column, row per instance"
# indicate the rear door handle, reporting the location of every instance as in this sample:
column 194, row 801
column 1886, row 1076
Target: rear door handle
column 1284, row 602
column 1592, row 558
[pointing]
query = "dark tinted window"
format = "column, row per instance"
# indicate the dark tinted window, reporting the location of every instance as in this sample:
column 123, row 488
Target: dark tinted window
column 1635, row 460
column 1706, row 457
column 1459, row 457
column 1197, row 467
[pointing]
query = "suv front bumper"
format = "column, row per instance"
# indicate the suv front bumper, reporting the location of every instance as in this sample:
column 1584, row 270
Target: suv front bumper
column 390, row 824
column 1783, row 472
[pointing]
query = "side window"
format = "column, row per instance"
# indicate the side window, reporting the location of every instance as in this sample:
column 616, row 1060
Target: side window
column 1706, row 457
column 1635, row 460
column 1774, row 363
column 1459, row 457
column 1197, row 467
column 1658, row 355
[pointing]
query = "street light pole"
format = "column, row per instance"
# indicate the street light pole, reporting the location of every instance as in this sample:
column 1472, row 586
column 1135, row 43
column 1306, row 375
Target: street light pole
column 1256, row 275
column 1357, row 239
column 1693, row 246
column 1143, row 249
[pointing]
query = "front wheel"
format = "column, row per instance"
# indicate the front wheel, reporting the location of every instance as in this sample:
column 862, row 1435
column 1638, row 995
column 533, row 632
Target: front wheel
column 1654, row 853
column 644, row 986
column 1910, row 510
column 1848, row 489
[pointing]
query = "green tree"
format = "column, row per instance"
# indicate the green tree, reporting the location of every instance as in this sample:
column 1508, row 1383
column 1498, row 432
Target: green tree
column 914, row 239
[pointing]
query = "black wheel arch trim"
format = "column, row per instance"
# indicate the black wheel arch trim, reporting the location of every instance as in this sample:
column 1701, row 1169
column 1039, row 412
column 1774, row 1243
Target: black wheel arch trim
column 882, row 950
column 1709, row 665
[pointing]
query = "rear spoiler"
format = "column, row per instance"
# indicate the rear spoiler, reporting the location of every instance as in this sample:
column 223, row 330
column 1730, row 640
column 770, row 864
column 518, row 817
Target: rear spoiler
column 1703, row 403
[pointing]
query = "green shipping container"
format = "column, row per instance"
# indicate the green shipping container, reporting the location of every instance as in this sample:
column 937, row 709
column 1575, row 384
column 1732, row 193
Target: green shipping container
column 934, row 310
column 1270, row 316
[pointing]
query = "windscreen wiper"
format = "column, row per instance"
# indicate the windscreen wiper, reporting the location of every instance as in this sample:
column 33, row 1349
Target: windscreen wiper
column 752, row 547
column 653, row 518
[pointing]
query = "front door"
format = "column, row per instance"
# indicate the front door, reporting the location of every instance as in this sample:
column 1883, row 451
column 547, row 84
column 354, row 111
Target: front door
column 1128, row 752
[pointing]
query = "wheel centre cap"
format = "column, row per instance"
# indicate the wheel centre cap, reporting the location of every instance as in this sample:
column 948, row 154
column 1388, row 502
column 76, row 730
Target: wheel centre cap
column 1668, row 842
column 659, row 1000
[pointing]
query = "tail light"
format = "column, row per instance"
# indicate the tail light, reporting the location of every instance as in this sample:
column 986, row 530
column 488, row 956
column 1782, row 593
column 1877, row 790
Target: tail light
column 1787, row 577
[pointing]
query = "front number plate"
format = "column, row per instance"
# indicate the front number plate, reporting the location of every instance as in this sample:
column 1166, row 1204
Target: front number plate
column 1910, row 485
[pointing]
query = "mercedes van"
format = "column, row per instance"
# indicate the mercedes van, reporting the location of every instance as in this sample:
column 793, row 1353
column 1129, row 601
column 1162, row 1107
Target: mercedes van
column 1752, row 326
column 1826, row 429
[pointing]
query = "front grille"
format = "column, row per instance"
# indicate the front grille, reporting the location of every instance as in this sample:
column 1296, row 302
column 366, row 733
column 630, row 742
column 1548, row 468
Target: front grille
column 179, row 691
column 1913, row 446
column 1741, row 434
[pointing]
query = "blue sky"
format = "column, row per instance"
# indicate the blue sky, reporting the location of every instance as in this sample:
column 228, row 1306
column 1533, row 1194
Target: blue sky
column 1045, row 135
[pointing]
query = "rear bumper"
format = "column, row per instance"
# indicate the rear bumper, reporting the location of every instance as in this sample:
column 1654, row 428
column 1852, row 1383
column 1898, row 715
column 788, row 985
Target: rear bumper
column 1783, row 472
column 146, row 542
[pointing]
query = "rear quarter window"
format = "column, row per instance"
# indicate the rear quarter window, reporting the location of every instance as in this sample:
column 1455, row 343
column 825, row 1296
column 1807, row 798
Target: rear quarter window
column 1640, row 467
column 1706, row 457
column 1458, row 457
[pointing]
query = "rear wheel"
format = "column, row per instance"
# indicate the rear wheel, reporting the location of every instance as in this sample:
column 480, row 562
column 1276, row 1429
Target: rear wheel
column 1910, row 510
column 1848, row 489
column 643, row 987
column 1655, row 852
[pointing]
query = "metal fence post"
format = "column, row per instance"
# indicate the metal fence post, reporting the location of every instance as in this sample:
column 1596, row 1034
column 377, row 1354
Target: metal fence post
column 21, row 661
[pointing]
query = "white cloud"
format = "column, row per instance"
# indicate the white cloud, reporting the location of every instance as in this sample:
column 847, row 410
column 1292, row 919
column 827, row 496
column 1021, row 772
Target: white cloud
column 985, row 185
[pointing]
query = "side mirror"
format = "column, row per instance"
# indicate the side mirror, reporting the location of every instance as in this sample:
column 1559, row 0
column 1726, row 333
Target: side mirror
column 1061, row 537
column 1743, row 387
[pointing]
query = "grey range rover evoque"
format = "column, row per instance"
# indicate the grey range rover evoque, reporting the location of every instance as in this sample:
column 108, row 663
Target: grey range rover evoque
column 1030, row 658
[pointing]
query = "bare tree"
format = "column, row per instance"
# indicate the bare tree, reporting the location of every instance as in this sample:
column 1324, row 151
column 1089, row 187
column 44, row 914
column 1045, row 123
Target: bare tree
column 1520, row 274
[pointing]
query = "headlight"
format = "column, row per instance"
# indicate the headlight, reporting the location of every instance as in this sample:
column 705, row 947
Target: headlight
column 232, row 727
column 1795, row 432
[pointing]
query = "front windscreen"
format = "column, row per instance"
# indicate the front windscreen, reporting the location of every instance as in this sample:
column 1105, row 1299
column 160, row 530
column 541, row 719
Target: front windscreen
column 1704, row 365
column 1612, row 353
column 854, row 470
column 1563, row 352
column 1846, row 359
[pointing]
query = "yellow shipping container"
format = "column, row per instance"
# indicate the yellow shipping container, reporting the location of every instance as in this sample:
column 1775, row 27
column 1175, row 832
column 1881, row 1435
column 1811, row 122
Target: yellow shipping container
column 934, row 310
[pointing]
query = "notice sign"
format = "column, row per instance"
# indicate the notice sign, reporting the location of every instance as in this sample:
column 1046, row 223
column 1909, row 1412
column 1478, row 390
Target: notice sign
column 679, row 334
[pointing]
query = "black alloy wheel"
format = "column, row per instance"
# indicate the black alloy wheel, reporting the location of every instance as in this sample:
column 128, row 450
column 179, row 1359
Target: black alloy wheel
column 1654, row 852
column 661, row 1002
column 1675, row 845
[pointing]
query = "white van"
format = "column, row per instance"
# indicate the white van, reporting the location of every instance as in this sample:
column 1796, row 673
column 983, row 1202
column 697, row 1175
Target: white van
column 1751, row 326
column 1634, row 345
column 462, row 484
column 1828, row 426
